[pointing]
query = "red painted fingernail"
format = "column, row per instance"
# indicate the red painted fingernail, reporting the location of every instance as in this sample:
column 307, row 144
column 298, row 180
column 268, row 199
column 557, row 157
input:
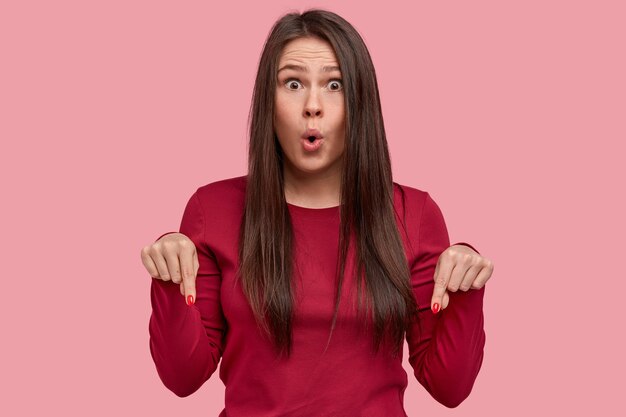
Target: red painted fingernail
column 435, row 308
column 189, row 300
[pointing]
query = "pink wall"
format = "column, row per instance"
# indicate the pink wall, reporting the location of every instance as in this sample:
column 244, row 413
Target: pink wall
column 511, row 114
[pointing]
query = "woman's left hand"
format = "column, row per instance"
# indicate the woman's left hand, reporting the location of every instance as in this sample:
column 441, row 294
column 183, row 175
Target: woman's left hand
column 458, row 267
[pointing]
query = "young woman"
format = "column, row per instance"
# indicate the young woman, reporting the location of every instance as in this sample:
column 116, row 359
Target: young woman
column 305, row 276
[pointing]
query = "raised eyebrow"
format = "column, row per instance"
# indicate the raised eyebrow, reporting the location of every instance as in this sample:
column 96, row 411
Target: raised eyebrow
column 300, row 68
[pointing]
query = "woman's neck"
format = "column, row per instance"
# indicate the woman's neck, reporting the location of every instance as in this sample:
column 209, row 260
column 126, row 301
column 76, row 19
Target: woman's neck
column 315, row 191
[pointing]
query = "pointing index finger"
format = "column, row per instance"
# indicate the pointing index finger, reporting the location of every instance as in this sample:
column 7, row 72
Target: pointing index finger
column 187, row 266
column 443, row 271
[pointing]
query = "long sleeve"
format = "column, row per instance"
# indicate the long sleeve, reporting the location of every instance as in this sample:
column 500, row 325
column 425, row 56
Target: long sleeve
column 445, row 349
column 163, row 235
column 186, row 342
column 457, row 243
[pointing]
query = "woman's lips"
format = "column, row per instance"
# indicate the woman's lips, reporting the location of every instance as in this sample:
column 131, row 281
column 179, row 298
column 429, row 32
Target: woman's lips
column 312, row 132
column 311, row 146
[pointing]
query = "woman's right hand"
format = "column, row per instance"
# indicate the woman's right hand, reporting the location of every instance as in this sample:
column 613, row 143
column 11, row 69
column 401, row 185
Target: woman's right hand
column 168, row 256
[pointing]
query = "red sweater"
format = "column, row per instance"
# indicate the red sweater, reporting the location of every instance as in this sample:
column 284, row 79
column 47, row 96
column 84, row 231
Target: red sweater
column 187, row 342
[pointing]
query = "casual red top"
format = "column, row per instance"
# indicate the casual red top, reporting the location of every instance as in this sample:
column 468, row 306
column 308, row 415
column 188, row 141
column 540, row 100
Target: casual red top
column 187, row 342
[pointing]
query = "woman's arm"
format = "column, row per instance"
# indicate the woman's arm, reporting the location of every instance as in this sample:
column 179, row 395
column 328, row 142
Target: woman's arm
column 186, row 342
column 445, row 349
column 179, row 232
column 457, row 243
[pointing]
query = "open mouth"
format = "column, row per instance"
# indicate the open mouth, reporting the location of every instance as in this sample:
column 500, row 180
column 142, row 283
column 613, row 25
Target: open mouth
column 311, row 134
column 312, row 143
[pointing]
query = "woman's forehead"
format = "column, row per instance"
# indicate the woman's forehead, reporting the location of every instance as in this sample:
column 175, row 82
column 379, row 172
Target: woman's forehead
column 308, row 49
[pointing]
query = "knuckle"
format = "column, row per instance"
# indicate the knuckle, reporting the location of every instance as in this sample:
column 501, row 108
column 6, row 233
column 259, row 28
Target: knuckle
column 168, row 244
column 454, row 250
column 457, row 256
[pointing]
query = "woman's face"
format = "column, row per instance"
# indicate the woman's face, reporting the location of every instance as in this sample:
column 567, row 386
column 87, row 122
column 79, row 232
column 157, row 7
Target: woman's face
column 309, row 95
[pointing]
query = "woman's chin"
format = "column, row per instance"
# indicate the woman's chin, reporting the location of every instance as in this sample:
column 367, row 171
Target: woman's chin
column 310, row 167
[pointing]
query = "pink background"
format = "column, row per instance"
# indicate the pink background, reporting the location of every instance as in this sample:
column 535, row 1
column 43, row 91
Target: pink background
column 511, row 114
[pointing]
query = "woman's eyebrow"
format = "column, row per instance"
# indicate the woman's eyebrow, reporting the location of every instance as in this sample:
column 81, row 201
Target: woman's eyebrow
column 328, row 68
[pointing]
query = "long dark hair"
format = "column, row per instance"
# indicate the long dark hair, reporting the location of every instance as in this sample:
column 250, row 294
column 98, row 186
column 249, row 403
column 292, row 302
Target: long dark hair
column 367, row 190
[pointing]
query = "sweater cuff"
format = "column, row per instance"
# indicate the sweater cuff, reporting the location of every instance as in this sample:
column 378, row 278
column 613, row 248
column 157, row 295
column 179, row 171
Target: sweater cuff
column 468, row 245
column 163, row 235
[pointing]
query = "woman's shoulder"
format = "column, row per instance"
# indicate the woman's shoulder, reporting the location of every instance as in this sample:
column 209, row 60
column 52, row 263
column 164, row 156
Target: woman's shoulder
column 420, row 213
column 408, row 197
column 419, row 207
column 227, row 193
column 225, row 185
column 416, row 204
column 407, row 188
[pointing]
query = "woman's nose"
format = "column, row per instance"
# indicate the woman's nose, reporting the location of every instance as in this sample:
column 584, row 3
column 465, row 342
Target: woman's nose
column 312, row 106
column 308, row 111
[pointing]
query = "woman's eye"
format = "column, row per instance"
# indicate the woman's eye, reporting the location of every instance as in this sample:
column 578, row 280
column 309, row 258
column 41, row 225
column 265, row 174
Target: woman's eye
column 290, row 84
column 336, row 82
column 333, row 85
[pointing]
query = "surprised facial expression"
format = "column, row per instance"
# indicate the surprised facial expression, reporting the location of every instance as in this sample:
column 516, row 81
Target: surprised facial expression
column 310, row 95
